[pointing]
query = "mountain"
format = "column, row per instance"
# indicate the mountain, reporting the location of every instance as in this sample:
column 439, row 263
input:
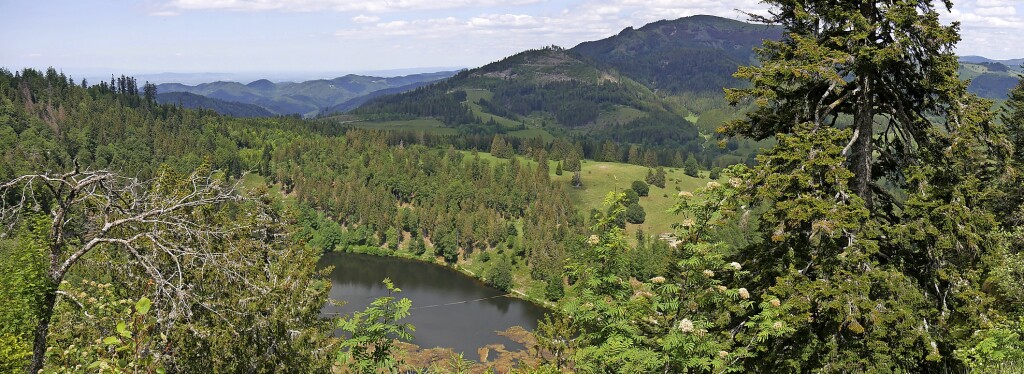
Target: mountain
column 690, row 54
column 1011, row 63
column 992, row 79
column 552, row 89
column 193, row 101
column 360, row 100
column 307, row 97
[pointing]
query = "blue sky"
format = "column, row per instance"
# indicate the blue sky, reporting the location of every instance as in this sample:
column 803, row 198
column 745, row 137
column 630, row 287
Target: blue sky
column 334, row 36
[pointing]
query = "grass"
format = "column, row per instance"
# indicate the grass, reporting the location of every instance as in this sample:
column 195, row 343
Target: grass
column 253, row 181
column 599, row 178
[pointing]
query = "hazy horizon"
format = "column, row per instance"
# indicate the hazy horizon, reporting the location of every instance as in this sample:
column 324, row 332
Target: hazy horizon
column 311, row 39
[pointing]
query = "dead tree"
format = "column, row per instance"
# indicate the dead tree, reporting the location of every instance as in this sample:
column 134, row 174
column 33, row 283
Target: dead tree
column 158, row 223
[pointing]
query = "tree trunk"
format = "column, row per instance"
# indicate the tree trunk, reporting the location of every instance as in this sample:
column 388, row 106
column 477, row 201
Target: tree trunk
column 42, row 330
column 860, row 159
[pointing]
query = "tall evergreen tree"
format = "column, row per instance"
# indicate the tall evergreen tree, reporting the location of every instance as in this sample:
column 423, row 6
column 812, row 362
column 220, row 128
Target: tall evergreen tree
column 889, row 210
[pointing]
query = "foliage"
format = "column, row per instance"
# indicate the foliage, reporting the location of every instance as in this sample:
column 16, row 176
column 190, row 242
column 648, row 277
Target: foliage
column 132, row 346
column 370, row 347
column 635, row 214
column 879, row 191
column 998, row 346
column 690, row 167
column 500, row 274
column 641, row 188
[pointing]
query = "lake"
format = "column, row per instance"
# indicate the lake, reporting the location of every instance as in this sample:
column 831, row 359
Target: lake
column 449, row 309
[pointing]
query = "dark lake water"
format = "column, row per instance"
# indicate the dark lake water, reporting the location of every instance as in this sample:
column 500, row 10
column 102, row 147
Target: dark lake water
column 356, row 279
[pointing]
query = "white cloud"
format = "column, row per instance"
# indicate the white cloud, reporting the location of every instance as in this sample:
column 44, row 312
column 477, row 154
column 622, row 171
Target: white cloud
column 566, row 27
column 362, row 18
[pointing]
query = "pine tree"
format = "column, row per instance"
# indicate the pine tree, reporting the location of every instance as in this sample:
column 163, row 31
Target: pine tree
column 659, row 177
column 855, row 218
column 691, row 168
column 572, row 161
column 634, row 155
column 650, row 158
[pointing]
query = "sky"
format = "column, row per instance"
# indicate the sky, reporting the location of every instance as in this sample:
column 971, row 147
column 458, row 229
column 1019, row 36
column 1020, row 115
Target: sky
column 100, row 37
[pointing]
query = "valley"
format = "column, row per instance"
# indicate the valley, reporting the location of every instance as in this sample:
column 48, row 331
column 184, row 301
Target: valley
column 797, row 193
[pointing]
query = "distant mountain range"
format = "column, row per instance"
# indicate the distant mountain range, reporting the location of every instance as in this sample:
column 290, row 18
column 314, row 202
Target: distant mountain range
column 194, row 101
column 305, row 98
column 678, row 67
column 1012, row 63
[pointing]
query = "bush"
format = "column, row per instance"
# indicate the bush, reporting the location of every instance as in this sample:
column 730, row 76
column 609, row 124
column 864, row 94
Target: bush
column 716, row 172
column 500, row 276
column 631, row 198
column 641, row 188
column 635, row 214
column 554, row 290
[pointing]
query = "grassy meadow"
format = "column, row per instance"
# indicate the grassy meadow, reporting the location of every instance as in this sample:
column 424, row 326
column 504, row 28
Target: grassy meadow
column 599, row 178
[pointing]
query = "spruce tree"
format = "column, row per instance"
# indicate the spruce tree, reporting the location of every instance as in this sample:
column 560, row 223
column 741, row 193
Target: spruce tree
column 876, row 233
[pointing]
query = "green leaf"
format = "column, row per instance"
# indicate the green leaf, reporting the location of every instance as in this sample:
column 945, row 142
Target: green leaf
column 123, row 330
column 143, row 305
column 110, row 340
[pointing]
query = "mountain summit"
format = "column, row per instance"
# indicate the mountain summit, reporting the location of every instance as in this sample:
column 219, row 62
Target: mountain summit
column 698, row 53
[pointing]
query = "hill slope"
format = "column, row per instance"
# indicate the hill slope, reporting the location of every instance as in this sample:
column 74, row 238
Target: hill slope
column 307, row 97
column 990, row 78
column 193, row 101
column 550, row 88
column 690, row 54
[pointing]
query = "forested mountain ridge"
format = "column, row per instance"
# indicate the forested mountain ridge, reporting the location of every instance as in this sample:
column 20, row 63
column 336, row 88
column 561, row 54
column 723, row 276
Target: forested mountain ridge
column 991, row 79
column 307, row 97
column 694, row 54
column 550, row 88
column 194, row 101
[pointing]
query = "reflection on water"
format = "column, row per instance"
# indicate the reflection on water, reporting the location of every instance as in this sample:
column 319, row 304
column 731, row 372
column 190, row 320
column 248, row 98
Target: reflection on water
column 356, row 279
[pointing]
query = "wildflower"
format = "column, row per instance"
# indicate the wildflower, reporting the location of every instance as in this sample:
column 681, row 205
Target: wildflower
column 658, row 280
column 685, row 194
column 744, row 294
column 713, row 185
column 688, row 222
column 735, row 182
column 722, row 288
column 723, row 354
column 777, row 325
column 685, row 325
column 594, row 240
column 709, row 273
column 775, row 303
column 735, row 265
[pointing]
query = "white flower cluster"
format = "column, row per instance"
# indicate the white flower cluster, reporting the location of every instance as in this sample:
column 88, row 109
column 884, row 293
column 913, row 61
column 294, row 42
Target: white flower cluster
column 685, row 325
